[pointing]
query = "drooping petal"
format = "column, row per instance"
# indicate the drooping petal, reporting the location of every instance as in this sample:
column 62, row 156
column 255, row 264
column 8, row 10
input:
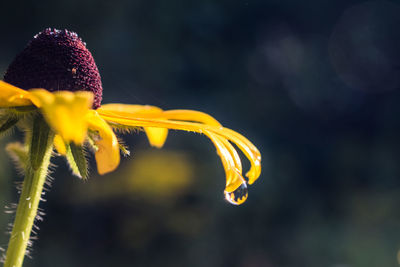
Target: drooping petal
column 244, row 144
column 251, row 152
column 65, row 112
column 230, row 160
column 107, row 155
column 59, row 144
column 12, row 96
column 156, row 136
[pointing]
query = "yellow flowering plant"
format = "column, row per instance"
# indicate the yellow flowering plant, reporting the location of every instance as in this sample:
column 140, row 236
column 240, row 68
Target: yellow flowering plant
column 53, row 92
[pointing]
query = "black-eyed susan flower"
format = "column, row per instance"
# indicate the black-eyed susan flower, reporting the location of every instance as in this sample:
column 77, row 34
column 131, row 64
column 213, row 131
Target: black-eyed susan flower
column 53, row 90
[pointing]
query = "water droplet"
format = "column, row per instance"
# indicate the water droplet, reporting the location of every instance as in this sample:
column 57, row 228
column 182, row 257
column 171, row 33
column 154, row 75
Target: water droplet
column 238, row 196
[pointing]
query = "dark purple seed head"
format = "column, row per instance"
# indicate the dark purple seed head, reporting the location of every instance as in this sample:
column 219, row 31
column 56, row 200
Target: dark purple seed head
column 56, row 60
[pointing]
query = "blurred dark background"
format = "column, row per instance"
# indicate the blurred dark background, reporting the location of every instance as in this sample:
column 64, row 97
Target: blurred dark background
column 314, row 84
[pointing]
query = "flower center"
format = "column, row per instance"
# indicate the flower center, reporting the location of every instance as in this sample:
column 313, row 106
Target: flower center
column 56, row 60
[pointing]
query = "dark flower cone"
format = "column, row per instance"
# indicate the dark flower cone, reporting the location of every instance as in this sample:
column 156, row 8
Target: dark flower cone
column 56, row 60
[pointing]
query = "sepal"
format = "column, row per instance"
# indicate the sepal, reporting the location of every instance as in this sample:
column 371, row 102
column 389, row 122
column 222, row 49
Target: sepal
column 8, row 123
column 19, row 154
column 77, row 161
column 41, row 136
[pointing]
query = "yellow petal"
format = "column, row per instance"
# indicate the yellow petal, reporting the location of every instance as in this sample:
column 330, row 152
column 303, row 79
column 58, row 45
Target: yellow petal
column 11, row 96
column 156, row 136
column 146, row 111
column 230, row 160
column 243, row 143
column 128, row 110
column 251, row 152
column 107, row 156
column 190, row 115
column 65, row 112
column 59, row 144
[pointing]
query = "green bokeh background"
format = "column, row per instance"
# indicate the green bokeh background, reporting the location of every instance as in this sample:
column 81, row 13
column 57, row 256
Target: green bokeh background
column 314, row 84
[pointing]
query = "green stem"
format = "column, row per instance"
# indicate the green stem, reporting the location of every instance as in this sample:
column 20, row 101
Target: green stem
column 37, row 168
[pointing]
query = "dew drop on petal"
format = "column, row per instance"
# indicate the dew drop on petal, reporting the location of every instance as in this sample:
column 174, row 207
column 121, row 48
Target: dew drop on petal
column 238, row 196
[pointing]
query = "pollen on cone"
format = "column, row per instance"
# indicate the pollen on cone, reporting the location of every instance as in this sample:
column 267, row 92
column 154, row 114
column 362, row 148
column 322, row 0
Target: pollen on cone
column 56, row 60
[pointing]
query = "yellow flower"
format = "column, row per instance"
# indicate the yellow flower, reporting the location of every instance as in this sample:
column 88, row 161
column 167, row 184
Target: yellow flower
column 76, row 117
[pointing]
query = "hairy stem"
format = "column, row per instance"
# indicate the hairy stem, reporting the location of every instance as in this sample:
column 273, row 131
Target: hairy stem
column 41, row 146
